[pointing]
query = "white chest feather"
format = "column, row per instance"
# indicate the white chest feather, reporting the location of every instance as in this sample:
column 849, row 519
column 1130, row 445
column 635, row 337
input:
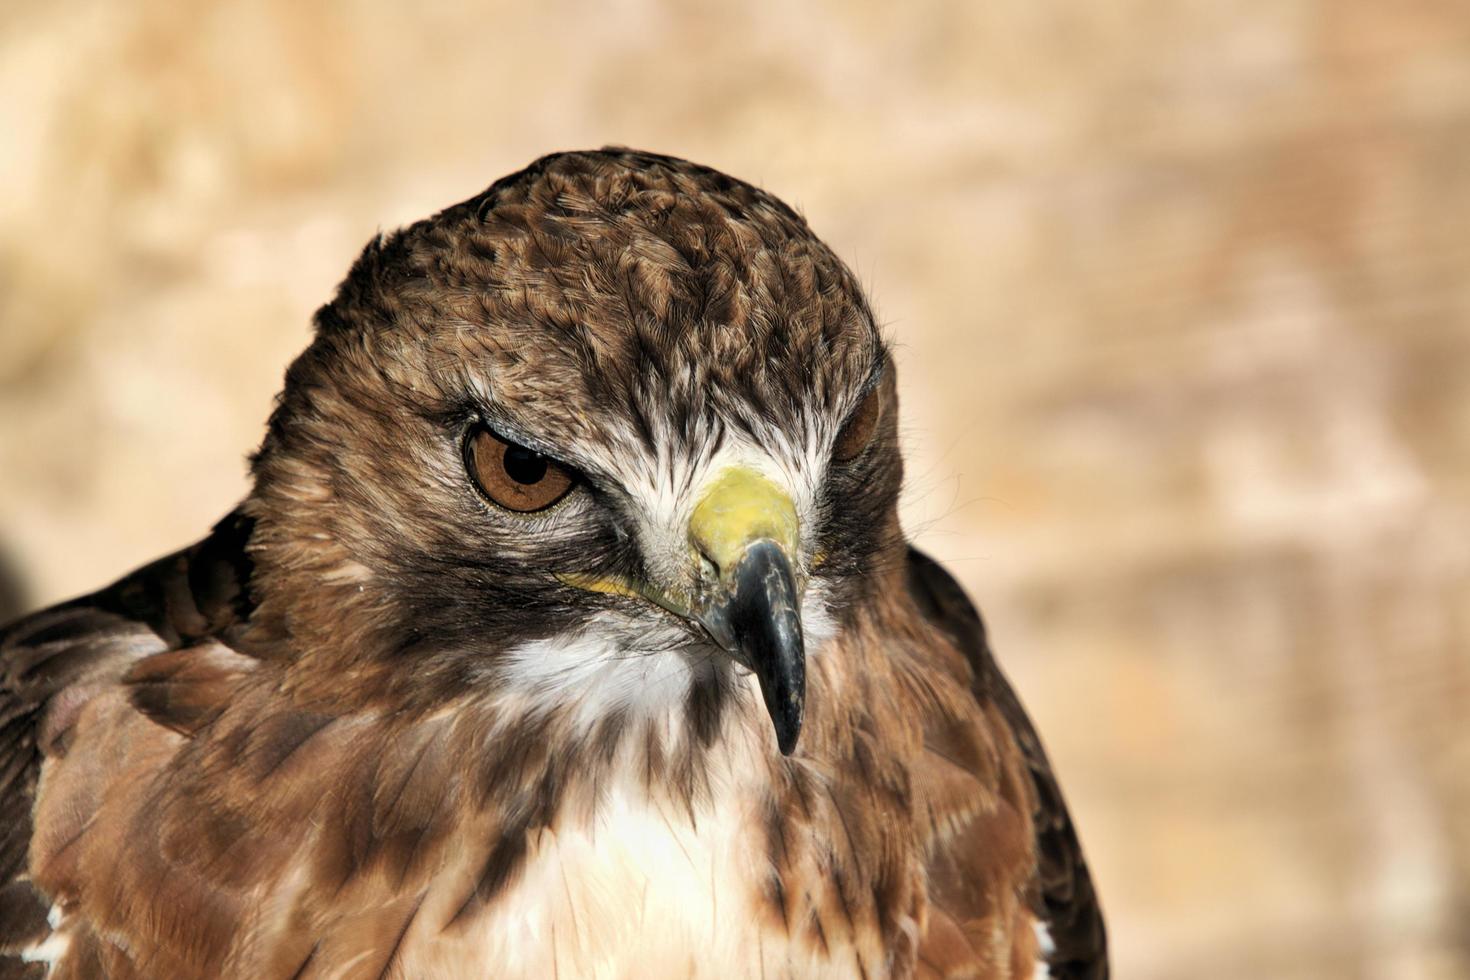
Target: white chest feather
column 640, row 891
column 643, row 887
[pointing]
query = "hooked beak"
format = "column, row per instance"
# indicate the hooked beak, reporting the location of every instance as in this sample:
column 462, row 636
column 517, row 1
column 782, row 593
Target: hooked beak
column 745, row 530
column 757, row 621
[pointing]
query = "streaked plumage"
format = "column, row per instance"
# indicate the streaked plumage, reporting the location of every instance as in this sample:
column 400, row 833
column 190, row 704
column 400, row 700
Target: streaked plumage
column 379, row 723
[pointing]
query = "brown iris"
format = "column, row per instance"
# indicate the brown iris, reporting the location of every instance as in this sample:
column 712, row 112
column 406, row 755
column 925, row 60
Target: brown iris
column 858, row 430
column 513, row 476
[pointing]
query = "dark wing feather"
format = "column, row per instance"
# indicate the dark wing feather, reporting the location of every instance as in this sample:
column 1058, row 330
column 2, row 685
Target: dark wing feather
column 1065, row 899
column 48, row 659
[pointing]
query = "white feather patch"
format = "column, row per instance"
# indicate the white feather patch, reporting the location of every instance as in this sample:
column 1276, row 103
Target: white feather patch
column 595, row 673
column 53, row 948
column 1047, row 947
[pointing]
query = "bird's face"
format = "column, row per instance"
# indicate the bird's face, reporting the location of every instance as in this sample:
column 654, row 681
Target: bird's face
column 606, row 436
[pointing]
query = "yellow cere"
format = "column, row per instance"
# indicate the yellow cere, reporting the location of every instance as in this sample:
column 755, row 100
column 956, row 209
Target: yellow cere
column 740, row 507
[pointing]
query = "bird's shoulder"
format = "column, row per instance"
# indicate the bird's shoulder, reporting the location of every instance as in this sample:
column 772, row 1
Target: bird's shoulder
column 1061, row 896
column 57, row 661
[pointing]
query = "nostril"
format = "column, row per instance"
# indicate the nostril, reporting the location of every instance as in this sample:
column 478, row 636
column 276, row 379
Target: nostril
column 708, row 568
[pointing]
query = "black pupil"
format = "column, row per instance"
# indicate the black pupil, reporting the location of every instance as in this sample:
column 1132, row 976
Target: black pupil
column 524, row 466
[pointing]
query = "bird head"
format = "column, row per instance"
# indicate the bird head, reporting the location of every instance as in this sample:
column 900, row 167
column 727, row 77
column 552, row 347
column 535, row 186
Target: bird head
column 611, row 436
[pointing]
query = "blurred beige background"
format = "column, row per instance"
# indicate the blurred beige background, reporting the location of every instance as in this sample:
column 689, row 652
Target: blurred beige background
column 1183, row 313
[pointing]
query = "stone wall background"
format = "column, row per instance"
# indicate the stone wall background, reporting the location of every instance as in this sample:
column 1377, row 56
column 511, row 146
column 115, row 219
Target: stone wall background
column 1184, row 322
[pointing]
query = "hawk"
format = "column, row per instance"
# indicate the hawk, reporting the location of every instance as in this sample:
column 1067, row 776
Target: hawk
column 568, row 629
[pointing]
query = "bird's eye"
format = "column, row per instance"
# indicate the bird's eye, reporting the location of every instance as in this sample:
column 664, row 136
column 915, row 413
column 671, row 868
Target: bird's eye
column 513, row 476
column 858, row 430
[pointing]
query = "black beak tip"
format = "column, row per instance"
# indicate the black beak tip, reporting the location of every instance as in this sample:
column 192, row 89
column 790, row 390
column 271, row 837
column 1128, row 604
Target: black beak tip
column 788, row 730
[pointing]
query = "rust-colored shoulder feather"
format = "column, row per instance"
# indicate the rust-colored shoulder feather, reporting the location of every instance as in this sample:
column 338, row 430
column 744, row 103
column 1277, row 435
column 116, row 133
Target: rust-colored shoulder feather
column 1063, row 898
column 53, row 662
